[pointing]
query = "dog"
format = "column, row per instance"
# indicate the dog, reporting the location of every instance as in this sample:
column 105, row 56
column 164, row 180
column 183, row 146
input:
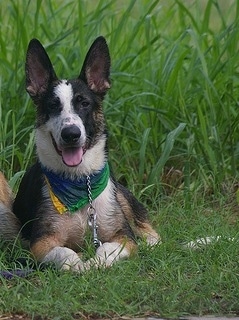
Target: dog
column 70, row 188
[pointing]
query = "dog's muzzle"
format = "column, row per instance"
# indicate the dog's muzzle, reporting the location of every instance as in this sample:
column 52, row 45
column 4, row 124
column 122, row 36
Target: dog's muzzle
column 70, row 148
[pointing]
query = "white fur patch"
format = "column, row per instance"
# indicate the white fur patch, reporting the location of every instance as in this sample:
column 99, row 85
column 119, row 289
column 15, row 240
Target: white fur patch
column 105, row 207
column 202, row 242
column 111, row 252
column 64, row 259
column 107, row 254
column 67, row 116
column 94, row 157
column 65, row 93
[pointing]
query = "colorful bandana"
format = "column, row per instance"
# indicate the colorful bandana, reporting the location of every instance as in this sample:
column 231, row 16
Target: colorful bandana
column 72, row 195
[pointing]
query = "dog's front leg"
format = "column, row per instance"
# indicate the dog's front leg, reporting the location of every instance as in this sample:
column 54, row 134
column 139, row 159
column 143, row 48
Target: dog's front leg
column 110, row 252
column 63, row 258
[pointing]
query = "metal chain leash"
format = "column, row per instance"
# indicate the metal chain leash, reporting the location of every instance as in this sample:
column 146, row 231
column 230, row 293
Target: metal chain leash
column 92, row 223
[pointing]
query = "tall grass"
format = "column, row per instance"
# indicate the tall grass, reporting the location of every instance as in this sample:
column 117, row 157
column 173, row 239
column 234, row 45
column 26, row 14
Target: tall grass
column 173, row 63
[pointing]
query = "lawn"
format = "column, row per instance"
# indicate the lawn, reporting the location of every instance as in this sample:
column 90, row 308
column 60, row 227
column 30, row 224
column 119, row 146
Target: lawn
column 172, row 114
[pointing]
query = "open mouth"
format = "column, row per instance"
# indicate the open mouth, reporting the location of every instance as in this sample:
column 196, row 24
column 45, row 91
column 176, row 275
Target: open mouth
column 71, row 156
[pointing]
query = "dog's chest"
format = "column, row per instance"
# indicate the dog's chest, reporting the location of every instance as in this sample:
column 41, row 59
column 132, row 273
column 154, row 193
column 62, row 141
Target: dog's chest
column 71, row 228
column 74, row 226
column 74, row 229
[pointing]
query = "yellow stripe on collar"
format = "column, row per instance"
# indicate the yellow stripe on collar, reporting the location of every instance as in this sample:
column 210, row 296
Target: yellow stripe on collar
column 57, row 203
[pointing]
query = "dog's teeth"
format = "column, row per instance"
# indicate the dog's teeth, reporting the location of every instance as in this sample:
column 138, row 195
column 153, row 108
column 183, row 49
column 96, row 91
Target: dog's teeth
column 72, row 156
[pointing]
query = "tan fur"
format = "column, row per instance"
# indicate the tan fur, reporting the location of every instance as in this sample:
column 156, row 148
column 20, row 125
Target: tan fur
column 145, row 230
column 69, row 232
column 44, row 245
column 9, row 224
column 130, row 245
column 142, row 229
column 5, row 192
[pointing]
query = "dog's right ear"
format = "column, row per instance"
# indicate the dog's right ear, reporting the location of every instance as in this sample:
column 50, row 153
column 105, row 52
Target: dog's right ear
column 96, row 67
column 39, row 69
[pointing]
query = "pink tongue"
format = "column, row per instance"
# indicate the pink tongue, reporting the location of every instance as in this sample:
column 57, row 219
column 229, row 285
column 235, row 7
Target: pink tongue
column 72, row 156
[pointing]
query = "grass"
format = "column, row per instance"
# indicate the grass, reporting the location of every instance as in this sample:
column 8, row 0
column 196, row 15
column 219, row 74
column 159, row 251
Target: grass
column 168, row 280
column 173, row 115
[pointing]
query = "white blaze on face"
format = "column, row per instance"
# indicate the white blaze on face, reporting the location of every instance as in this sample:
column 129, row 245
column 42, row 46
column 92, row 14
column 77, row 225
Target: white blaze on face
column 71, row 156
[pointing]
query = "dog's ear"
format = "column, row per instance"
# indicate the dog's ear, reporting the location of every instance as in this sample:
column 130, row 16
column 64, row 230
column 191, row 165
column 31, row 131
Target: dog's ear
column 39, row 70
column 96, row 67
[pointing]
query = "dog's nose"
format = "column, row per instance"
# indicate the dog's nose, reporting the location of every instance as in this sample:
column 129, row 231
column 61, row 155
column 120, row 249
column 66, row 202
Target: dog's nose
column 71, row 134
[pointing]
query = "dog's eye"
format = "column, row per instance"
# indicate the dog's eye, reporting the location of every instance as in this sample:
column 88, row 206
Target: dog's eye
column 54, row 105
column 85, row 104
column 82, row 101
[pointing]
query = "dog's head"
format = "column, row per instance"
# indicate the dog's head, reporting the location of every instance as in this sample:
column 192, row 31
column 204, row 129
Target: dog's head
column 70, row 120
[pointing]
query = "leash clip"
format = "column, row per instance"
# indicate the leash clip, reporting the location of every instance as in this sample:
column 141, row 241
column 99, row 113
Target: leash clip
column 93, row 225
column 92, row 216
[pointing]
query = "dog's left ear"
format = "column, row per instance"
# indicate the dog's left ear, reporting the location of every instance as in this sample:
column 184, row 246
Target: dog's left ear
column 96, row 67
column 39, row 69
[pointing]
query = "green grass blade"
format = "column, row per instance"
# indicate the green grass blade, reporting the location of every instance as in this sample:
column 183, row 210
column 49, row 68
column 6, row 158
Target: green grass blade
column 168, row 146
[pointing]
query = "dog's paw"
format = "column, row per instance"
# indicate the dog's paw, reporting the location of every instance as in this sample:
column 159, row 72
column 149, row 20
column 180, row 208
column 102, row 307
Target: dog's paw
column 106, row 255
column 64, row 259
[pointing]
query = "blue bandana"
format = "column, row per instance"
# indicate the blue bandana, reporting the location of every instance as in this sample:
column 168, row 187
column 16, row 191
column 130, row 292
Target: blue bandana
column 72, row 195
